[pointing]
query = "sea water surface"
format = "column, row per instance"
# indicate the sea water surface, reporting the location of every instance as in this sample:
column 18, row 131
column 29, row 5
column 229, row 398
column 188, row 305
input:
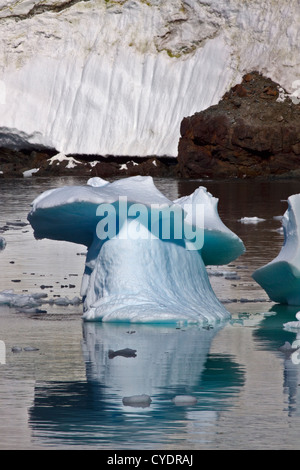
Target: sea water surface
column 67, row 393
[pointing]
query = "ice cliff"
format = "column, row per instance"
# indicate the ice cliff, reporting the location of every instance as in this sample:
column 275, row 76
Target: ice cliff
column 144, row 262
column 117, row 77
column 281, row 277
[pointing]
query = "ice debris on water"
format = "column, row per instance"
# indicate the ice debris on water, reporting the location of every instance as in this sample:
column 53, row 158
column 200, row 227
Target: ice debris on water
column 184, row 400
column 293, row 324
column 18, row 349
column 138, row 401
column 31, row 303
column 251, row 220
column 122, row 280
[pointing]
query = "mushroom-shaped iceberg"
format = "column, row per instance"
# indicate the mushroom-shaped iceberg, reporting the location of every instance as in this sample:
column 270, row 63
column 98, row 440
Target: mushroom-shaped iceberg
column 144, row 261
column 281, row 277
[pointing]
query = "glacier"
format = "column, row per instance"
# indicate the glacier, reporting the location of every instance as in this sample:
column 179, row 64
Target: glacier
column 134, row 272
column 116, row 77
column 281, row 277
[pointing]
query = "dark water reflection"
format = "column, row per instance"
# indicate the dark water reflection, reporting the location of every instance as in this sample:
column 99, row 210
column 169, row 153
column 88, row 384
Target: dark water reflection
column 70, row 393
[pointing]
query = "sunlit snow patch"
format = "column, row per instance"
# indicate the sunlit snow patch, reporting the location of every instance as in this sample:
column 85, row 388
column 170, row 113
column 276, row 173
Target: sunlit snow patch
column 281, row 277
column 138, row 274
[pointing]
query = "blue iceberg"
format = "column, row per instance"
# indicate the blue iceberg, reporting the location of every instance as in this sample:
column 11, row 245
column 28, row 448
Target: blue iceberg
column 146, row 254
column 281, row 277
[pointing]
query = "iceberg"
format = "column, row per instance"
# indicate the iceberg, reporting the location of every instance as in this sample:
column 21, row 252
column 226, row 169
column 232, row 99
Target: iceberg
column 281, row 277
column 146, row 254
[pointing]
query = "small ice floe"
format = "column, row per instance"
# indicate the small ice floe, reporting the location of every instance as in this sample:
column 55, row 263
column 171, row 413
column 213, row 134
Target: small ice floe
column 225, row 274
column 138, row 401
column 8, row 297
column 65, row 301
column 251, row 220
column 127, row 352
column 293, row 324
column 18, row 349
column 184, row 400
column 32, row 310
column 232, row 276
column 29, row 173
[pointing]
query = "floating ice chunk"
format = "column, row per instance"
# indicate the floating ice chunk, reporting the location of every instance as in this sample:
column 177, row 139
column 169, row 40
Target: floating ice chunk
column 251, row 220
column 138, row 401
column 184, row 400
column 281, row 277
column 29, row 173
column 8, row 297
column 137, row 273
column 97, row 182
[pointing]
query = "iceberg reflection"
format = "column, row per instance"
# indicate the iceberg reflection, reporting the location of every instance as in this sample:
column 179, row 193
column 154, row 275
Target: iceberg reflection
column 169, row 362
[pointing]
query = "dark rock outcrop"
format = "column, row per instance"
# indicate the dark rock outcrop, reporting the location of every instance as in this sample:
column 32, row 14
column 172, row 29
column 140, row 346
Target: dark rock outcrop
column 249, row 133
column 13, row 164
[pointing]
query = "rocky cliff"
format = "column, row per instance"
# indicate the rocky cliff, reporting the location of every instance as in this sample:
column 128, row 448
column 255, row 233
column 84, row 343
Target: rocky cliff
column 253, row 131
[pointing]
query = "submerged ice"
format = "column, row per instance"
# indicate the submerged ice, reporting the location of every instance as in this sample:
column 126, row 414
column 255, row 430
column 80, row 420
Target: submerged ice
column 146, row 254
column 281, row 277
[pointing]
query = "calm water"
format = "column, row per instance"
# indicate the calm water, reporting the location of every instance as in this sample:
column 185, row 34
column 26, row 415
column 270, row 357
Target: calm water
column 68, row 393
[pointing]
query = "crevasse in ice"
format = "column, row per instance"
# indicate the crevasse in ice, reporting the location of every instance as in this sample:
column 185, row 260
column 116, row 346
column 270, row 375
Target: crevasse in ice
column 281, row 277
column 146, row 254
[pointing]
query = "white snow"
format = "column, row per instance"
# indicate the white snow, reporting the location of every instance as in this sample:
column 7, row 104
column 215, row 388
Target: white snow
column 281, row 277
column 137, row 274
column 117, row 77
column 61, row 157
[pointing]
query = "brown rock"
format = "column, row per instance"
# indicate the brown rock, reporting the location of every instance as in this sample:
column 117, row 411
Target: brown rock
column 247, row 134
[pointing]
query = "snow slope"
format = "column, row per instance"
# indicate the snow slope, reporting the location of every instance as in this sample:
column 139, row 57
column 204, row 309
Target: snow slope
column 117, row 77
